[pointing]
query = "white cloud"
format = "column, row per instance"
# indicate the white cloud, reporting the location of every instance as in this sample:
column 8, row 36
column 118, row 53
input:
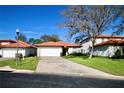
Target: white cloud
column 29, row 32
column 45, row 27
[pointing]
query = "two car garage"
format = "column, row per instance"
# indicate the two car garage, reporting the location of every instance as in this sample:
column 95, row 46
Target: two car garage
column 49, row 51
column 54, row 48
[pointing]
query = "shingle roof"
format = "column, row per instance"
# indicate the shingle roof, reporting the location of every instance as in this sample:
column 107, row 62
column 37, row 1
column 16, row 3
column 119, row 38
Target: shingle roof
column 111, row 42
column 14, row 45
column 59, row 43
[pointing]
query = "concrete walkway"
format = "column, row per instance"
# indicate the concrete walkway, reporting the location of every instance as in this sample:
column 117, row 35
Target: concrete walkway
column 59, row 65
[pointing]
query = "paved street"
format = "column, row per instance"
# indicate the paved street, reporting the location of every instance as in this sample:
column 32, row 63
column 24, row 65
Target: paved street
column 10, row 80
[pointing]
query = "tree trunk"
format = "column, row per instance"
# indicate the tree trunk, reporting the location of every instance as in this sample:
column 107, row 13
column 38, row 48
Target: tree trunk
column 92, row 49
column 91, row 53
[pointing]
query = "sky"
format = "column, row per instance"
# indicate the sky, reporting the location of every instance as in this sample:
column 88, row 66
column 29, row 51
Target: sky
column 33, row 21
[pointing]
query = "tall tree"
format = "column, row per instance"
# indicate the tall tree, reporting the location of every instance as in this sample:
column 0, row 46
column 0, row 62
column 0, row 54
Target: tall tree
column 34, row 41
column 22, row 37
column 46, row 38
column 31, row 41
column 119, row 29
column 90, row 21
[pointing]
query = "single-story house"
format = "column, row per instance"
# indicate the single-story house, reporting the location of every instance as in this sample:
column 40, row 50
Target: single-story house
column 59, row 48
column 109, row 48
column 8, row 48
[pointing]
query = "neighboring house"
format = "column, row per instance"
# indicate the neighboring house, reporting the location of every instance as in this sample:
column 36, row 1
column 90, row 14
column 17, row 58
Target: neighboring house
column 8, row 48
column 109, row 48
column 56, row 48
column 101, row 50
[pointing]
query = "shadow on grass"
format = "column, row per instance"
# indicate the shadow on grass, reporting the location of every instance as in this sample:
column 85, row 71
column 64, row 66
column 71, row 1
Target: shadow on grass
column 21, row 80
column 72, row 56
column 94, row 57
column 117, row 59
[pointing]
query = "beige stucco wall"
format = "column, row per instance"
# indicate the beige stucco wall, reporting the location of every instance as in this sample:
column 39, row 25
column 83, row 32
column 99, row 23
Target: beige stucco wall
column 74, row 50
column 85, row 47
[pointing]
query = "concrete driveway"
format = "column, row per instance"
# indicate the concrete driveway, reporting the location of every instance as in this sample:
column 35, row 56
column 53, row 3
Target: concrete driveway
column 59, row 65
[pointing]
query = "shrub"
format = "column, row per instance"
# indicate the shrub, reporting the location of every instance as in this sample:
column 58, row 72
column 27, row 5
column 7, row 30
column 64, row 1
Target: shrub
column 118, row 54
column 75, row 54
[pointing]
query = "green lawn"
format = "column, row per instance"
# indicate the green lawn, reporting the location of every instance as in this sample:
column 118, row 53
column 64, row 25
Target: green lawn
column 29, row 63
column 113, row 66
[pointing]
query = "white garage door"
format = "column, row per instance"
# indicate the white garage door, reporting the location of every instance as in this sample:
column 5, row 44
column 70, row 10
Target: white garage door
column 50, row 51
column 9, row 53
